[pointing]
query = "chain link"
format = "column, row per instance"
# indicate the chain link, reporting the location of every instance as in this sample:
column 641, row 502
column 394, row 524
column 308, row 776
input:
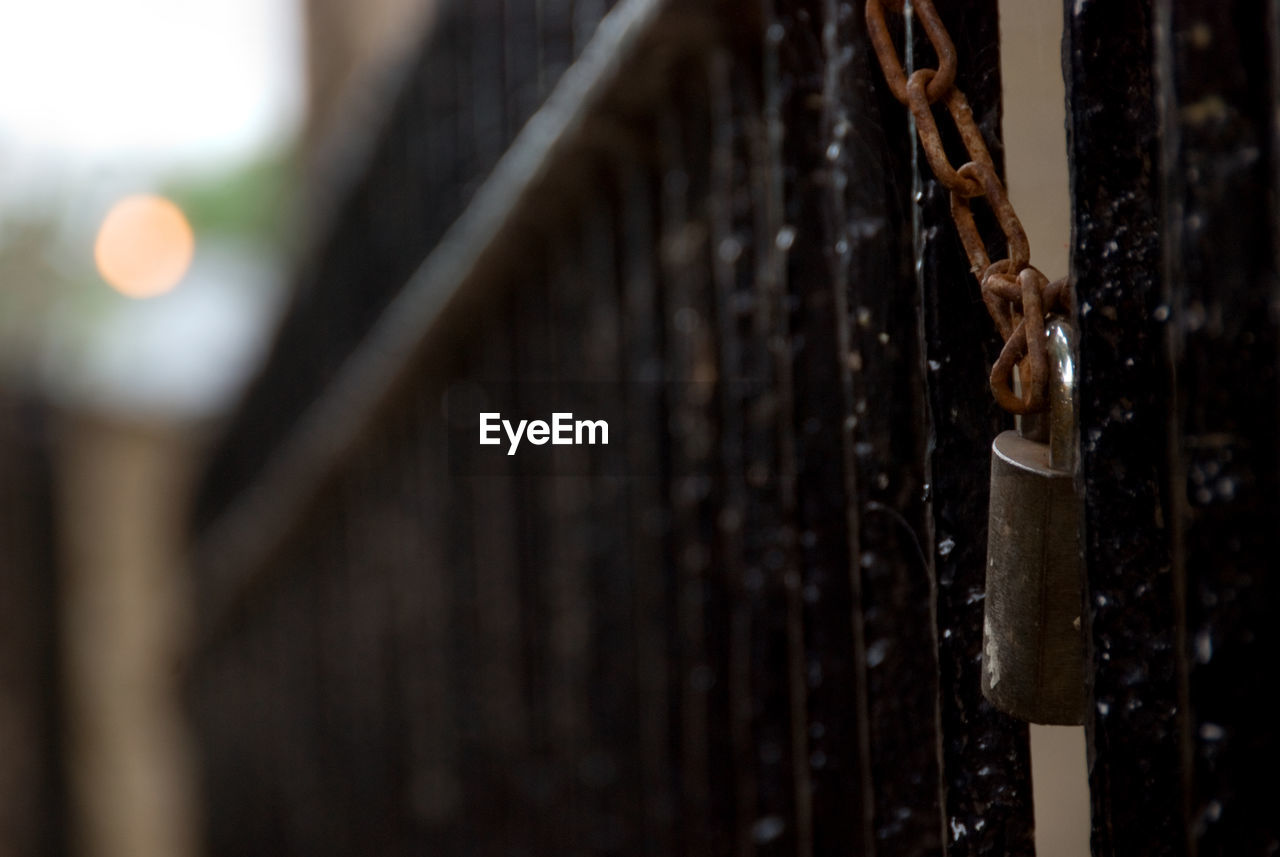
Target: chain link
column 1016, row 294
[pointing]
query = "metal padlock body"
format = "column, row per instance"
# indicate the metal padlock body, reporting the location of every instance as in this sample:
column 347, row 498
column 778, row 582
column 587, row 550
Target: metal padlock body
column 1033, row 649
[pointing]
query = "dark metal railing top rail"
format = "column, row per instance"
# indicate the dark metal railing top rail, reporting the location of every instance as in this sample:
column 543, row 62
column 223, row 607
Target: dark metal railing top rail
column 483, row 71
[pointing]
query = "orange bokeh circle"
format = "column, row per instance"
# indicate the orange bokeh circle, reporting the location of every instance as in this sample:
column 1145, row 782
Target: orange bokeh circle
column 144, row 246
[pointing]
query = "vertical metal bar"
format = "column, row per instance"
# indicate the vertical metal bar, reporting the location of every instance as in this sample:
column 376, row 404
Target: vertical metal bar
column 431, row 788
column 706, row 390
column 649, row 524
column 1113, row 135
column 565, row 493
column 691, row 384
column 520, row 63
column 986, row 771
column 500, row 704
column 837, row 744
column 611, row 766
column 488, row 90
column 885, row 451
column 555, row 41
column 784, row 575
column 1217, row 94
column 531, row 330
column 729, row 221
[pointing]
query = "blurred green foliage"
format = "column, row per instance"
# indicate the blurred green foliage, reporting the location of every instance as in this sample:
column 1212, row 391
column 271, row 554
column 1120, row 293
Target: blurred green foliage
column 30, row 273
column 250, row 203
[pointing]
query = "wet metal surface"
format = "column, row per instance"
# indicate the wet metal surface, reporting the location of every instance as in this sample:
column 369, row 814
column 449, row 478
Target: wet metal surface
column 1219, row 66
column 1114, row 146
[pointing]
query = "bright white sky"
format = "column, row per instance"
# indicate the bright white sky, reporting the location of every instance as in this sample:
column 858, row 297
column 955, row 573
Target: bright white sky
column 159, row 83
column 100, row 98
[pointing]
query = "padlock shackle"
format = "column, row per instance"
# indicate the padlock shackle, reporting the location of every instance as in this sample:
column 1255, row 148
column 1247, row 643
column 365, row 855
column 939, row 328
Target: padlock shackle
column 1062, row 394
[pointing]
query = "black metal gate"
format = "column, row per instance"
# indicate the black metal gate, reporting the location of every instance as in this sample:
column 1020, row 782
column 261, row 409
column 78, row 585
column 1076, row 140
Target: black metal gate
column 751, row 623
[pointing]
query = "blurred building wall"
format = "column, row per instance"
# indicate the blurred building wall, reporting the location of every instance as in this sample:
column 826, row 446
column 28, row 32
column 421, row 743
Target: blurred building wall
column 350, row 48
column 124, row 612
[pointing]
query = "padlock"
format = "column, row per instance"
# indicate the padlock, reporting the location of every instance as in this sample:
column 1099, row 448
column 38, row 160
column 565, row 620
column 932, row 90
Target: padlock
column 1033, row 648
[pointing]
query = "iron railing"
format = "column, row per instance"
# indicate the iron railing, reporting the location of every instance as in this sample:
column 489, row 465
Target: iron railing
column 751, row 623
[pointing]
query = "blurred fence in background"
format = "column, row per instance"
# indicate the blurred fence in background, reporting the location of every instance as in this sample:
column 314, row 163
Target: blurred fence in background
column 751, row 623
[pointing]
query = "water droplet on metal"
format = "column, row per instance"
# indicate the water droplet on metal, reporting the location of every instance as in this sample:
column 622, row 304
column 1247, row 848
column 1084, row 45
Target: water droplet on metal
column 730, row 249
column 686, row 320
column 876, row 652
column 1204, row 647
column 769, row 828
column 1212, row 732
column 786, row 237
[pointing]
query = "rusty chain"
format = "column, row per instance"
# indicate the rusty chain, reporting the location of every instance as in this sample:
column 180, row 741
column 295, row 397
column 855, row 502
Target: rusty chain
column 1016, row 294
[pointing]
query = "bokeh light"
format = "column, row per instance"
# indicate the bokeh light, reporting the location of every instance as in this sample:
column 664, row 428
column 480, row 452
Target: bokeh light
column 144, row 246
